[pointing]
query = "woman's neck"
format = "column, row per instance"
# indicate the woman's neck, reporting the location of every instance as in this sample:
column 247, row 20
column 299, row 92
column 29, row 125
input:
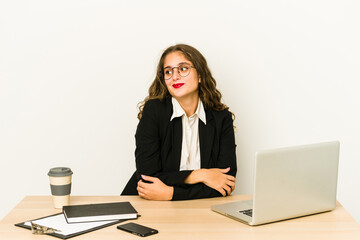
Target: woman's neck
column 189, row 105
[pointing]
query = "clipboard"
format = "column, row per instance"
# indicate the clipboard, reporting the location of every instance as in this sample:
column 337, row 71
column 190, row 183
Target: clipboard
column 58, row 221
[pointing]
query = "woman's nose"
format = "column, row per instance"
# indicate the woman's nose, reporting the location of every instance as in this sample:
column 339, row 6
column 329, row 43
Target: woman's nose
column 176, row 75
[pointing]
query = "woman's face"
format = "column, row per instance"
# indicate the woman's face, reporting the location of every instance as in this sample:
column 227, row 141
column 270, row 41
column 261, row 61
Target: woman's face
column 181, row 87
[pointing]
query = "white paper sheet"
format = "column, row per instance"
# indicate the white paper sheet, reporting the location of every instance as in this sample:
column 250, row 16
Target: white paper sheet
column 59, row 222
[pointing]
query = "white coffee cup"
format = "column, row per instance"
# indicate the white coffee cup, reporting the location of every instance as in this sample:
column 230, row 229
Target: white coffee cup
column 60, row 184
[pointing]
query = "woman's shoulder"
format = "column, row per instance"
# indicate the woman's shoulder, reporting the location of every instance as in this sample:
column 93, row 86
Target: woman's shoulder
column 158, row 107
column 220, row 115
column 156, row 104
column 221, row 119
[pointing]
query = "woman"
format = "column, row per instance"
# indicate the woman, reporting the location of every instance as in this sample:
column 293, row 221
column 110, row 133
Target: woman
column 185, row 145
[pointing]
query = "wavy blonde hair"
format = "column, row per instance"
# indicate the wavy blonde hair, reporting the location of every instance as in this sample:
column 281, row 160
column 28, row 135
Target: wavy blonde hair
column 208, row 93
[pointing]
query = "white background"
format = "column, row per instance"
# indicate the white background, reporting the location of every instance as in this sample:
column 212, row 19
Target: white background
column 73, row 72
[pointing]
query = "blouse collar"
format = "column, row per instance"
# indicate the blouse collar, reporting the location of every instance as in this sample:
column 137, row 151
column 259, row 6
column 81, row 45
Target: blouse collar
column 178, row 111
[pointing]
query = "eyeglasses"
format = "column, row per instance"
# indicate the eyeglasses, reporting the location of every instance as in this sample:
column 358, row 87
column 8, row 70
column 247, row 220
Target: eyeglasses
column 183, row 69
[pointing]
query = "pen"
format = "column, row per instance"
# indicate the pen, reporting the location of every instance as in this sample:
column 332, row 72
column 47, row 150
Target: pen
column 40, row 229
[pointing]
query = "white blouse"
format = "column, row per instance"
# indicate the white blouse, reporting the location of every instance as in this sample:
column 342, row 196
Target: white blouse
column 190, row 149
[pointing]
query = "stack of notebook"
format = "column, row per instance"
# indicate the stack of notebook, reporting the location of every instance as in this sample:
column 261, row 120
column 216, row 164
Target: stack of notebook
column 99, row 212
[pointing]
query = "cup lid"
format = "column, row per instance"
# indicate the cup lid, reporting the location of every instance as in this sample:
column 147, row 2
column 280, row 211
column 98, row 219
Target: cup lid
column 60, row 172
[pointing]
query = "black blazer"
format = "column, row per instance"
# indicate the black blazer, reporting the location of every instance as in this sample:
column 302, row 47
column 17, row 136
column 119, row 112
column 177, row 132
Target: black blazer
column 158, row 149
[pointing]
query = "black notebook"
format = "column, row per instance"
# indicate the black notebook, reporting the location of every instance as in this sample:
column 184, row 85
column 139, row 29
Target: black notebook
column 99, row 212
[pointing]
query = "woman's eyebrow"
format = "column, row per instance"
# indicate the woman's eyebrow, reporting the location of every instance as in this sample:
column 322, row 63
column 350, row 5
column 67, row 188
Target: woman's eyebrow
column 178, row 64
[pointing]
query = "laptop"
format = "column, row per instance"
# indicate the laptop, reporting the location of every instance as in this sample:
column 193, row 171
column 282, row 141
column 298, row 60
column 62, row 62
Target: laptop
column 288, row 183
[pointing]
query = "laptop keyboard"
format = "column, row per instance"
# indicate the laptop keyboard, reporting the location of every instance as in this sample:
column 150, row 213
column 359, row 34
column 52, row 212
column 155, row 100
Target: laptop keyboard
column 247, row 212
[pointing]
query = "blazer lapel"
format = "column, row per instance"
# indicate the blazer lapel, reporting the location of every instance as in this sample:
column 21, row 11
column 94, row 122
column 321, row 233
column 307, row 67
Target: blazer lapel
column 175, row 129
column 176, row 142
column 206, row 138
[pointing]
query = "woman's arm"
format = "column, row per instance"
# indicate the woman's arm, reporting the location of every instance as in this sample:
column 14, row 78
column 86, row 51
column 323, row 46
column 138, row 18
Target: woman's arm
column 155, row 189
column 215, row 178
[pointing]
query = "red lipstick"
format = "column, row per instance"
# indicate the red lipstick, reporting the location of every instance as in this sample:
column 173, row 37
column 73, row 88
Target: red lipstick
column 178, row 85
